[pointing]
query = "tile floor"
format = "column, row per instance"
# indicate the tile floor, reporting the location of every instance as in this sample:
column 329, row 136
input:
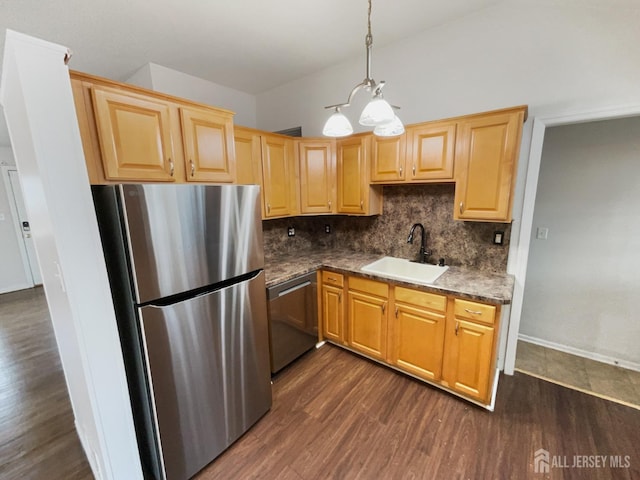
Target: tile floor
column 608, row 381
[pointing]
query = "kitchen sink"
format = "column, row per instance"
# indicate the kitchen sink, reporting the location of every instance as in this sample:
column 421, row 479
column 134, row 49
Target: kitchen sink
column 402, row 269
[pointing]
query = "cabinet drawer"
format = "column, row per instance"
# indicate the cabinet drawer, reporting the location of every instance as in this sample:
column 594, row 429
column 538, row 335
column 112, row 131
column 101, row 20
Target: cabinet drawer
column 332, row 278
column 421, row 299
column 369, row 286
column 478, row 312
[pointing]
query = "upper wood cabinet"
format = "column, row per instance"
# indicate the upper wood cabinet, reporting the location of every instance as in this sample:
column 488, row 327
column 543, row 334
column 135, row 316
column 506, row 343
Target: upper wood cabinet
column 135, row 136
column 279, row 177
column 354, row 194
column 388, row 158
column 430, row 151
column 248, row 156
column 317, row 160
column 485, row 163
column 208, row 145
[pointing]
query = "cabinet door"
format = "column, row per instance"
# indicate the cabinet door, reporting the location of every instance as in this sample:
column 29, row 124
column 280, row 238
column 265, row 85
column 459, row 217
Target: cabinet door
column 418, row 341
column 248, row 157
column 430, row 151
column 278, row 176
column 208, row 145
column 486, row 159
column 317, row 176
column 368, row 324
column 135, row 136
column 352, row 157
column 469, row 348
column 388, row 158
column 332, row 313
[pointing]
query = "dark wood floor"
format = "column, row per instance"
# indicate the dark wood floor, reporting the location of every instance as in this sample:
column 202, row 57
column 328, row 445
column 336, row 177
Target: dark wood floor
column 38, row 439
column 336, row 415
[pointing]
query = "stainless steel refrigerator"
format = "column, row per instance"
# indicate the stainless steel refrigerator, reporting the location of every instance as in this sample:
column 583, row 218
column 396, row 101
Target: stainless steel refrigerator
column 185, row 264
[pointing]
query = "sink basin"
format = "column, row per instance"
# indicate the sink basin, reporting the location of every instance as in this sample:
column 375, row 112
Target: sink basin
column 402, row 269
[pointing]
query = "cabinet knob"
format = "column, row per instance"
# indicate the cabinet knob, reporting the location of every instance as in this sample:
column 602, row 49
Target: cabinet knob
column 339, row 297
column 361, row 204
column 396, row 312
column 329, row 204
column 461, row 207
column 414, row 170
column 457, row 326
column 193, row 167
column 472, row 312
column 384, row 307
column 401, row 170
column 171, row 167
column 268, row 208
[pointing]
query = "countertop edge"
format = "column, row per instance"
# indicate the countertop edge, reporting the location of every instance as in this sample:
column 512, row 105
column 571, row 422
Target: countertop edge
column 311, row 266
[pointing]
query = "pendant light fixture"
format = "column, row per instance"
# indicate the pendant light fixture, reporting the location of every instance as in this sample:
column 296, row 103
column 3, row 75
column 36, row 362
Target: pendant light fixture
column 378, row 113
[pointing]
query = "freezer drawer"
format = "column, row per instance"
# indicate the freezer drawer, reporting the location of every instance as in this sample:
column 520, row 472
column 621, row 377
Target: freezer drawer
column 208, row 364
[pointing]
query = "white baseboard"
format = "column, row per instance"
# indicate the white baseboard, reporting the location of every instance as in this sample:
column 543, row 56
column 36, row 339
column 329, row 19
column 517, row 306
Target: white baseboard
column 89, row 453
column 581, row 353
column 15, row 288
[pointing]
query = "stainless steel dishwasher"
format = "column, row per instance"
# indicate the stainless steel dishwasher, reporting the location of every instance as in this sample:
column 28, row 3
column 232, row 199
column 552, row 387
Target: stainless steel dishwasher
column 293, row 319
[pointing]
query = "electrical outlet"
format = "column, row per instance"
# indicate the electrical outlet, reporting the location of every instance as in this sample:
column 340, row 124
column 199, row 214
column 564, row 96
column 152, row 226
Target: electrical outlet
column 498, row 237
column 327, row 228
column 291, row 232
column 542, row 233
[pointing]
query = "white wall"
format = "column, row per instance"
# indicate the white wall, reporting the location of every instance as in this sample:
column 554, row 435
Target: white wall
column 35, row 92
column 583, row 281
column 173, row 82
column 12, row 272
column 552, row 57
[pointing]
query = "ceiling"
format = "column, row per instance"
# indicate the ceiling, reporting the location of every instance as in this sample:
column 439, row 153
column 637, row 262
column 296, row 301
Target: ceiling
column 249, row 45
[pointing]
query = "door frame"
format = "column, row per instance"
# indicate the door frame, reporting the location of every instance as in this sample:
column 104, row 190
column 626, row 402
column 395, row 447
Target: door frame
column 521, row 250
column 16, row 223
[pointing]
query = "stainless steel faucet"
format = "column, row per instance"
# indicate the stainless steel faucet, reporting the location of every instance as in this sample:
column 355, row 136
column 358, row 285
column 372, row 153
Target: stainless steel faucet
column 424, row 253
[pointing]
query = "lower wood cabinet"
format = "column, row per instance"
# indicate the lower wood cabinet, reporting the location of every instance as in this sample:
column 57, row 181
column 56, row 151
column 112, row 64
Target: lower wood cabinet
column 332, row 306
column 417, row 332
column 447, row 341
column 367, row 317
column 470, row 340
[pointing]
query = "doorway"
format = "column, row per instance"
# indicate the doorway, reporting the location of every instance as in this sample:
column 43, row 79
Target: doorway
column 578, row 315
column 21, row 225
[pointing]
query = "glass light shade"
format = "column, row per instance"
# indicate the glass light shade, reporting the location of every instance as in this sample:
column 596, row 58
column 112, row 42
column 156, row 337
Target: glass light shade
column 337, row 126
column 377, row 112
column 391, row 129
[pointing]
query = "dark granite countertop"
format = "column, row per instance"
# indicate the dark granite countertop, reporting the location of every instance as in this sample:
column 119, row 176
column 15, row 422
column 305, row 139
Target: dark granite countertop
column 466, row 283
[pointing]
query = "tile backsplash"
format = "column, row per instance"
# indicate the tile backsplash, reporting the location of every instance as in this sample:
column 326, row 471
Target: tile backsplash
column 468, row 244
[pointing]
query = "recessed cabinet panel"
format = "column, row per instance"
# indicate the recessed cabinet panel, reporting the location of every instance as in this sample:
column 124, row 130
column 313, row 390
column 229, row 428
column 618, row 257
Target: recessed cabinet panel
column 430, row 151
column 332, row 313
column 248, row 157
column 368, row 324
column 351, row 176
column 209, row 151
column 472, row 359
column 419, row 341
column 279, row 177
column 388, row 159
column 317, row 177
column 486, row 158
column 135, row 136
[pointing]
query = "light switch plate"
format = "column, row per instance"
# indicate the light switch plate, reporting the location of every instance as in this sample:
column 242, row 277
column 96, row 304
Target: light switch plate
column 542, row 233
